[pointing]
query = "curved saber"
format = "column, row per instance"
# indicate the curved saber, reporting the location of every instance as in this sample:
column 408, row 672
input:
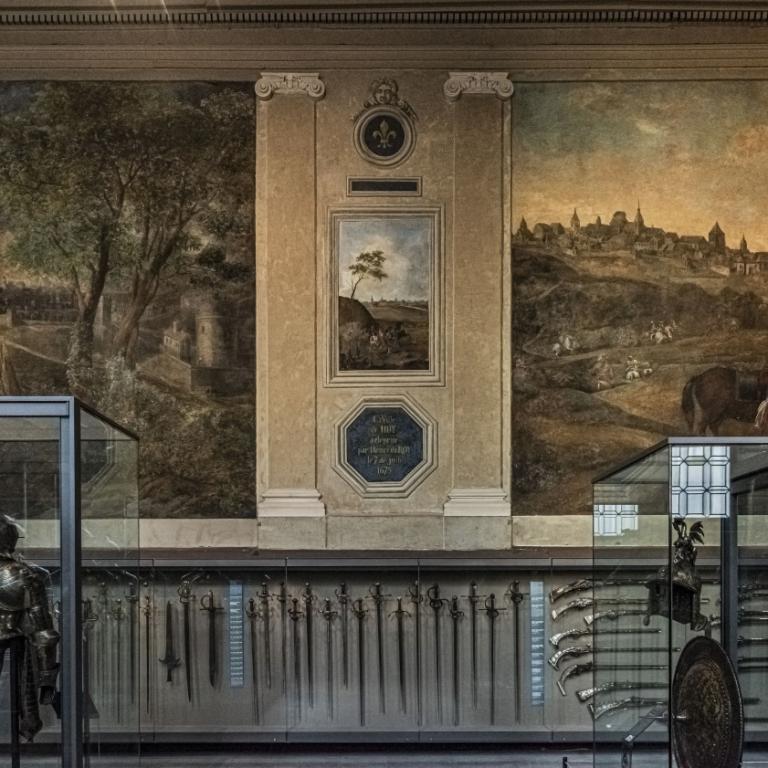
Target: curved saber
column 588, row 693
column 585, row 650
column 629, row 703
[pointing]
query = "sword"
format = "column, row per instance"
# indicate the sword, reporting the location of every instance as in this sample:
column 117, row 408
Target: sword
column 629, row 703
column 414, row 592
column 308, row 611
column 329, row 615
column 147, row 611
column 265, row 597
column 588, row 602
column 185, row 597
column 474, row 599
column 436, row 604
column 613, row 614
column 282, row 598
column 590, row 666
column 89, row 618
column 584, row 650
column 587, row 693
column 118, row 615
column 399, row 612
column 295, row 614
column 170, row 659
column 360, row 613
column 555, row 640
column 456, row 616
column 252, row 613
column 343, row 597
column 516, row 597
column 208, row 605
column 102, row 601
column 492, row 612
column 378, row 600
column 583, row 585
column 132, row 599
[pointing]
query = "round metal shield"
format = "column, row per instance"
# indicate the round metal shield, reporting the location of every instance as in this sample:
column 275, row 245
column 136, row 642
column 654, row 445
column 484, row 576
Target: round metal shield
column 707, row 711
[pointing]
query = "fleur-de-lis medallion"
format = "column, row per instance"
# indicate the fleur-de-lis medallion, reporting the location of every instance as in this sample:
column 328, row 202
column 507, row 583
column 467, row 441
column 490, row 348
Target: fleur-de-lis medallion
column 384, row 134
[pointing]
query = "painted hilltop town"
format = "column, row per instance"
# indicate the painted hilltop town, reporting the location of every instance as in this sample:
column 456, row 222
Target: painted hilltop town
column 627, row 333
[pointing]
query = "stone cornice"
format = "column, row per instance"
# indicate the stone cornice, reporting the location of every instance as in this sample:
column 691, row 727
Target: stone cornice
column 373, row 15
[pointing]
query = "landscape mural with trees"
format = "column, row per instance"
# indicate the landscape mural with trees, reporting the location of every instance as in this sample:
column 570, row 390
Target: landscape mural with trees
column 126, row 273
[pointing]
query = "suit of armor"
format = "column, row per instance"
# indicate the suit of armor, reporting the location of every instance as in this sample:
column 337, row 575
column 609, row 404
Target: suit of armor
column 24, row 615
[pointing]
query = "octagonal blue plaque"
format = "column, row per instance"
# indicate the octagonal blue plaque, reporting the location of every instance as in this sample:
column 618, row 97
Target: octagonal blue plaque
column 384, row 444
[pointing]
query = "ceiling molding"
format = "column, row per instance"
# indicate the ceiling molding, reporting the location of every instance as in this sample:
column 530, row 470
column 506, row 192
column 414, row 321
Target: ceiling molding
column 374, row 14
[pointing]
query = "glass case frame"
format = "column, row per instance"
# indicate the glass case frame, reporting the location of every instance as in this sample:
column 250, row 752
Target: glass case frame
column 77, row 423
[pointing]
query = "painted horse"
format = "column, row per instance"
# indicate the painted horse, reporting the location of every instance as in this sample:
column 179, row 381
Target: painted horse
column 723, row 393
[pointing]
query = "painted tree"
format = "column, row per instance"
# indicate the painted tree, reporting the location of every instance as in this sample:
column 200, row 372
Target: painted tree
column 368, row 264
column 120, row 180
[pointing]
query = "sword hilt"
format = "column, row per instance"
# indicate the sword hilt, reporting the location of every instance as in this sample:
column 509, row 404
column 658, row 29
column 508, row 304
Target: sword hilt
column 376, row 594
column 117, row 612
column 264, row 598
column 455, row 612
column 473, row 596
column 341, row 594
column 514, row 593
column 251, row 611
column 433, row 596
column 358, row 609
column 294, row 611
column 327, row 612
column 399, row 611
column 89, row 617
column 414, row 593
column 490, row 607
column 208, row 603
column 147, row 608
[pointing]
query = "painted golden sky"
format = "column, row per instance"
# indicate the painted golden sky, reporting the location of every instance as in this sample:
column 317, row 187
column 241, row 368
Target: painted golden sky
column 692, row 153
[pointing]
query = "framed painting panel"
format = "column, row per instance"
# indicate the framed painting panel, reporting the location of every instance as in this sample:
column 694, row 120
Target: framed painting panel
column 385, row 297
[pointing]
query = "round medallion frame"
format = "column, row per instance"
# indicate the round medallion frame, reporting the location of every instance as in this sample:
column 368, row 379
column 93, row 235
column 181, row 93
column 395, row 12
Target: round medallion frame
column 707, row 709
column 384, row 112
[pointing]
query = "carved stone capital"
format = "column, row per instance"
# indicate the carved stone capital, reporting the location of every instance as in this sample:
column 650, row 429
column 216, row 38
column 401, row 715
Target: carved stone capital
column 301, row 83
column 496, row 83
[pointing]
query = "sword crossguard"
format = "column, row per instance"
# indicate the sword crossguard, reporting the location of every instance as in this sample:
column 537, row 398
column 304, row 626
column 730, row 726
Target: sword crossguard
column 514, row 593
column 399, row 611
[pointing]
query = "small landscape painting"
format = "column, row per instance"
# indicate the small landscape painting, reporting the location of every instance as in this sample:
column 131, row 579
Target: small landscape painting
column 384, row 279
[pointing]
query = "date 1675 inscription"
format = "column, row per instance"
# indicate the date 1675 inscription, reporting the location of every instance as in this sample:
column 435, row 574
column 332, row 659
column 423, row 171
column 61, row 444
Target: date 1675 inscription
column 384, row 444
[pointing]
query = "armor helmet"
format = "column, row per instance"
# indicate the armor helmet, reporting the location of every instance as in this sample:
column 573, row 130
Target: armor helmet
column 9, row 534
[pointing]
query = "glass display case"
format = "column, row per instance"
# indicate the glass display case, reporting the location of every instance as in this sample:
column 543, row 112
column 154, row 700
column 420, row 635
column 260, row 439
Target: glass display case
column 679, row 553
column 68, row 491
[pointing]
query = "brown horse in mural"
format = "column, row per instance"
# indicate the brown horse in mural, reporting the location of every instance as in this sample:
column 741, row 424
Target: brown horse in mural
column 723, row 393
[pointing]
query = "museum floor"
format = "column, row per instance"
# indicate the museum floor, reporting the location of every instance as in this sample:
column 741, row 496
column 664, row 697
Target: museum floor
column 455, row 758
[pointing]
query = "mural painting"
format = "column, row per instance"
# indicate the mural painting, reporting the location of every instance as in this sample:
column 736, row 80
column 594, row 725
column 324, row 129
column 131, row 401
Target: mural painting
column 384, row 282
column 126, row 273
column 640, row 288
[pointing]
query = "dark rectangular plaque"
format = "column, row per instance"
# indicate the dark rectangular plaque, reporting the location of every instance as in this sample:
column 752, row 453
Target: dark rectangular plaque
column 366, row 187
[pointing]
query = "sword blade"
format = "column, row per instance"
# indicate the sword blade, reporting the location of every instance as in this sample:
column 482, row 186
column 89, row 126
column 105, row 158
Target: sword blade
column 473, row 638
column 254, row 672
column 401, row 659
column 380, row 656
column 329, row 662
column 492, row 665
column 187, row 652
column 361, row 661
column 212, row 648
column 310, row 649
column 148, row 652
column 456, row 698
column 344, row 635
column 267, row 638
